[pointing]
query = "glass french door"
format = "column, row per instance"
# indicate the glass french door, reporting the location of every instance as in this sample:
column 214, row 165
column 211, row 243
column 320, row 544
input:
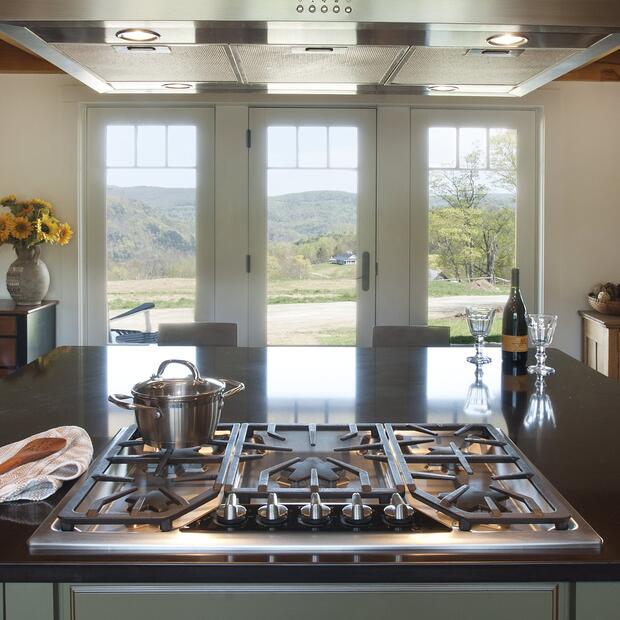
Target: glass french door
column 149, row 221
column 473, row 214
column 312, row 227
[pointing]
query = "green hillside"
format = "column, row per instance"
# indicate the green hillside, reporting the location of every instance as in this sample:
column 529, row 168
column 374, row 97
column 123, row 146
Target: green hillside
column 310, row 215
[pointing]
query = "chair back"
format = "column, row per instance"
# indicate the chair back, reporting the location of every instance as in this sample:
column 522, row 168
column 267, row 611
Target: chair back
column 198, row 334
column 410, row 336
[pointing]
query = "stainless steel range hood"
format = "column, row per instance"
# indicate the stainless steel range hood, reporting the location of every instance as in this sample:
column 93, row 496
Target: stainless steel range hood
column 349, row 46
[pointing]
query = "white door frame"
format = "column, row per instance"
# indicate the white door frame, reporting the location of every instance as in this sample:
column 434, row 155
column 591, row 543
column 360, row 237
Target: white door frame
column 259, row 120
column 94, row 305
column 524, row 121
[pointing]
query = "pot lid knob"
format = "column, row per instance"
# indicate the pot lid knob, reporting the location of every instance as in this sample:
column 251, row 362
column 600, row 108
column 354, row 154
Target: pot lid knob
column 357, row 511
column 272, row 512
column 315, row 513
column 231, row 512
column 398, row 511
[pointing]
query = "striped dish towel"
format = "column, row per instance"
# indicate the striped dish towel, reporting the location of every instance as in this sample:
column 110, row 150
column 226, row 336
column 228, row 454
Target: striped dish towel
column 40, row 479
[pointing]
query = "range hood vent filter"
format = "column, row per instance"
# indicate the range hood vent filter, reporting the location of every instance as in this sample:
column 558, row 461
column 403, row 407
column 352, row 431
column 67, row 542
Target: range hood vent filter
column 453, row 65
column 184, row 63
column 361, row 64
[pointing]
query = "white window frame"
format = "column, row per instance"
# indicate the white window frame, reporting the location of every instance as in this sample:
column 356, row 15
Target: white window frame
column 94, row 306
column 527, row 229
column 260, row 119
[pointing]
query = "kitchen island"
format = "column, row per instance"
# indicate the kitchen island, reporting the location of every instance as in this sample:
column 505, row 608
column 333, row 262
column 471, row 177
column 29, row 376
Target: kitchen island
column 571, row 440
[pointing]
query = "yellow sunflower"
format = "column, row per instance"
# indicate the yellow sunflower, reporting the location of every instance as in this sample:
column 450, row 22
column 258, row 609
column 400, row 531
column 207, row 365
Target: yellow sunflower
column 8, row 200
column 25, row 209
column 42, row 204
column 47, row 229
column 22, row 228
column 7, row 223
column 64, row 234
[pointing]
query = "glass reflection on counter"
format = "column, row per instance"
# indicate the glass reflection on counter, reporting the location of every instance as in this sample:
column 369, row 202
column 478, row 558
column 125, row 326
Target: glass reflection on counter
column 540, row 409
column 477, row 402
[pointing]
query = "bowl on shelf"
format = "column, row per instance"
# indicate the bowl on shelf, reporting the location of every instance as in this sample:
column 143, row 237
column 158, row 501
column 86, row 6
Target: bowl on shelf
column 604, row 307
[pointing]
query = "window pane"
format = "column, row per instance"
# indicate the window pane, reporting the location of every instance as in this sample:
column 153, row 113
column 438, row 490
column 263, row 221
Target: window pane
column 312, row 147
column 120, row 145
column 503, row 149
column 282, row 147
column 442, row 147
column 472, row 147
column 151, row 145
column 343, row 147
column 169, row 177
column 181, row 145
column 471, row 229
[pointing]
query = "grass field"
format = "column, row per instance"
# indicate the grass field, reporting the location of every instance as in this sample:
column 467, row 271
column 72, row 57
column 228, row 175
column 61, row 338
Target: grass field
column 327, row 283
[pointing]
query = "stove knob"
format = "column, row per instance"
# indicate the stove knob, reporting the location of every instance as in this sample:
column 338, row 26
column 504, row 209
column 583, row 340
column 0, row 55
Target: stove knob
column 315, row 513
column 230, row 512
column 398, row 511
column 357, row 512
column 272, row 512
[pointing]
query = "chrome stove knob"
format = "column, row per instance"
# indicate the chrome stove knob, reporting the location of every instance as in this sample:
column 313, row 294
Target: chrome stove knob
column 272, row 512
column 357, row 512
column 230, row 512
column 398, row 511
column 315, row 512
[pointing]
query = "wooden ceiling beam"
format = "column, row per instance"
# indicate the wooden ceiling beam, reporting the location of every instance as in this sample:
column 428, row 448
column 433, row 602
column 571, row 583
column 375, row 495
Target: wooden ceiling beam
column 606, row 69
column 16, row 60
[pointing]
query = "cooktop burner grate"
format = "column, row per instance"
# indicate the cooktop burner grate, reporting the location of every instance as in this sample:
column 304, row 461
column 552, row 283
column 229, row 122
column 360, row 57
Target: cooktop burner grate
column 474, row 475
column 133, row 484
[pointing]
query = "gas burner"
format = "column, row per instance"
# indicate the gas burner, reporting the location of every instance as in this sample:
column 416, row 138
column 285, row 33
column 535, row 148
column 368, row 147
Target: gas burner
column 152, row 501
column 313, row 468
column 476, row 493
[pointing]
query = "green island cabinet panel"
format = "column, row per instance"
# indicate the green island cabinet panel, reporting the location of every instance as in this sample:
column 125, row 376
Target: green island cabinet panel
column 29, row 601
column 309, row 602
column 597, row 601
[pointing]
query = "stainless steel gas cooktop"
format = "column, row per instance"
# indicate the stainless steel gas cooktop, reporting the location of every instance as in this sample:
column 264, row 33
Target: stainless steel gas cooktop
column 316, row 489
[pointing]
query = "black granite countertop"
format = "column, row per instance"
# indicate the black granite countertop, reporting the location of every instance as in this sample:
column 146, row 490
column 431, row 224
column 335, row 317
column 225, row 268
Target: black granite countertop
column 574, row 442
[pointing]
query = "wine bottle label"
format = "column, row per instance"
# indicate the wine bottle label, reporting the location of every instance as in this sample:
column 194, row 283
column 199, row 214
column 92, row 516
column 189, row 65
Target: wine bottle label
column 514, row 344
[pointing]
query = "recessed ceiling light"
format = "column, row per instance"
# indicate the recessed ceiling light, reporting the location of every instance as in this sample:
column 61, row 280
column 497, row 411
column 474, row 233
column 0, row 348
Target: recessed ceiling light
column 138, row 34
column 507, row 39
column 443, row 88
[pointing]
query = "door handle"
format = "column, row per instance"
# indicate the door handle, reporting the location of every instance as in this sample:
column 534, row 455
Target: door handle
column 365, row 271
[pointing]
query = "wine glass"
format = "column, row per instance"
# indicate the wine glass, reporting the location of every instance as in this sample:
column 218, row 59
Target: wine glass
column 541, row 328
column 480, row 321
column 477, row 401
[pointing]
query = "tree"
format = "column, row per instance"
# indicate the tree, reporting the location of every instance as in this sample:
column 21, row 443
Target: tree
column 469, row 236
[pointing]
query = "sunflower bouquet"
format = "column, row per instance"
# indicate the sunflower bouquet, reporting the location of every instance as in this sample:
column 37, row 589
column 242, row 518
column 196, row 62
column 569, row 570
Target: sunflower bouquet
column 28, row 223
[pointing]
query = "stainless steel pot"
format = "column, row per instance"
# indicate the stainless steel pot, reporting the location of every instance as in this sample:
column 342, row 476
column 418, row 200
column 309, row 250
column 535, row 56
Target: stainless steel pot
column 177, row 412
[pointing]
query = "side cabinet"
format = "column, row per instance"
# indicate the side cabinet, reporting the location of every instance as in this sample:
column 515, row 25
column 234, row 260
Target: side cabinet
column 26, row 332
column 309, row 602
column 600, row 348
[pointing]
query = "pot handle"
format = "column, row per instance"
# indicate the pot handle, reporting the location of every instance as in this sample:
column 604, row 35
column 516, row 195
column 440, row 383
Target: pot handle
column 237, row 386
column 192, row 368
column 119, row 399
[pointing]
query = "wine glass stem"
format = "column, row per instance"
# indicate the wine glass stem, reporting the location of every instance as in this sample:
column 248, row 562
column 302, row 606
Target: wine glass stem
column 479, row 347
column 541, row 356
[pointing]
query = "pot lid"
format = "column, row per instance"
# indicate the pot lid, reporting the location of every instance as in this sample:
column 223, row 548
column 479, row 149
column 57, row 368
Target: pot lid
column 178, row 387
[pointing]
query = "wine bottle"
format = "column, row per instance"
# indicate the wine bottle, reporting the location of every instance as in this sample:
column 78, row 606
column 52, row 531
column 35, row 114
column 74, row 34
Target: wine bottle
column 514, row 325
